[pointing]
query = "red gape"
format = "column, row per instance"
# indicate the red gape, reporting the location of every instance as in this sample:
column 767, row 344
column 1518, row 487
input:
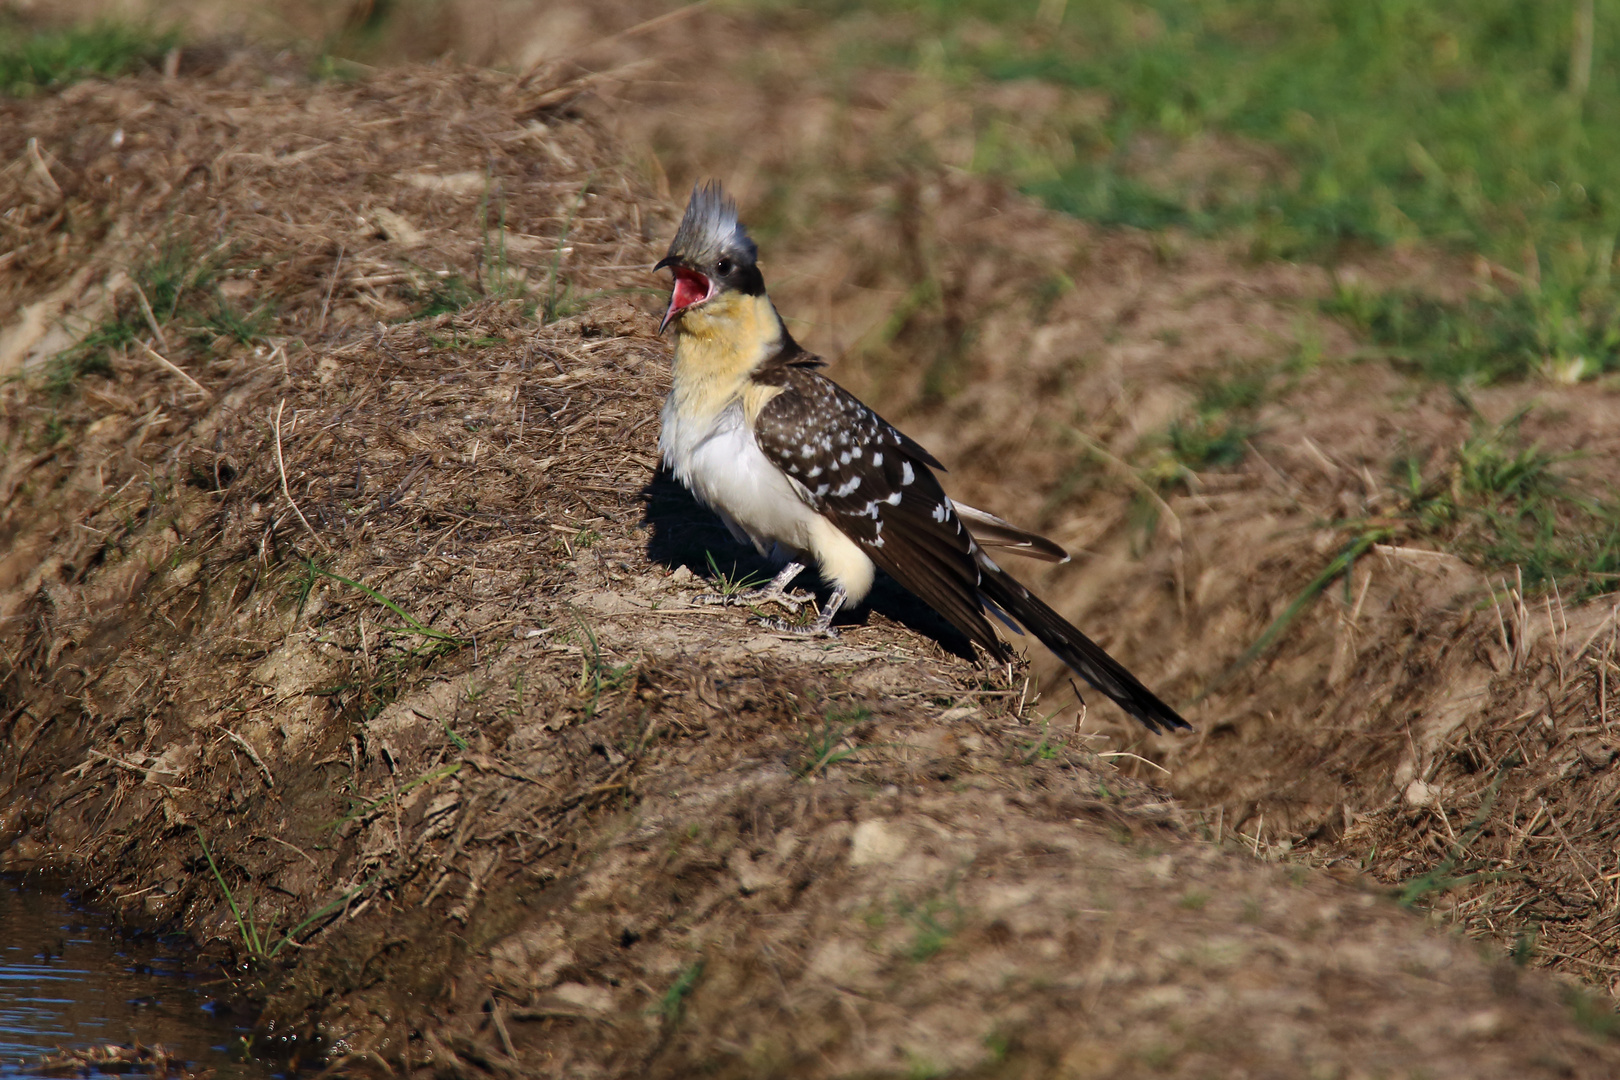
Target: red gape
column 690, row 288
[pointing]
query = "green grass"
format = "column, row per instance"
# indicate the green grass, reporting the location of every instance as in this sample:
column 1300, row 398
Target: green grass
column 1487, row 130
column 1501, row 503
column 1309, row 129
column 561, row 300
column 728, row 585
column 259, row 948
column 826, row 747
column 1043, row 748
column 496, row 278
column 672, row 1006
column 933, row 923
column 598, row 676
column 499, row 279
column 1193, row 900
column 1396, row 119
column 181, row 287
column 1338, row 567
column 1593, row 1013
column 1215, row 434
column 412, row 624
column 1495, row 501
column 91, row 356
column 173, row 273
column 360, row 808
column 446, row 296
column 41, row 60
column 1442, row 877
column 394, row 662
column 1487, row 338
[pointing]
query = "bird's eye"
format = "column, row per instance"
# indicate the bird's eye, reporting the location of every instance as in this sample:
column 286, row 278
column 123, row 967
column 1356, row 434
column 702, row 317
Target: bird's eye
column 723, row 266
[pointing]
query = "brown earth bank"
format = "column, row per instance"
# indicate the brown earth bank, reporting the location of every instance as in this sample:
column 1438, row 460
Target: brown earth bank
column 1426, row 722
column 1422, row 720
column 349, row 626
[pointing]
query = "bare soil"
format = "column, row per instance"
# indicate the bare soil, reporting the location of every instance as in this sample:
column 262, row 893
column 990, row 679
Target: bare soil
column 555, row 818
column 1421, row 719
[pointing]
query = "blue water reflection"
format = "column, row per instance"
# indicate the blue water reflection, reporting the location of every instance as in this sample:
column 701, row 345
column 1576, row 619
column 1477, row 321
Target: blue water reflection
column 68, row 980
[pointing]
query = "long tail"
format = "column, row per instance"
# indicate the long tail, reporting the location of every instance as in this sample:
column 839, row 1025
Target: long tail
column 1082, row 655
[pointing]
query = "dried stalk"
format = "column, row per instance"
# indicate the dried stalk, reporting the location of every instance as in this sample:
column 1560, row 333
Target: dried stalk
column 281, row 467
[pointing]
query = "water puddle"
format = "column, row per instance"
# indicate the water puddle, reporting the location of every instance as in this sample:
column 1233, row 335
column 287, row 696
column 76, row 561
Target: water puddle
column 69, row 980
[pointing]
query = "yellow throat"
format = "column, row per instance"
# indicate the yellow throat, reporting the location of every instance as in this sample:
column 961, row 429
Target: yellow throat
column 718, row 344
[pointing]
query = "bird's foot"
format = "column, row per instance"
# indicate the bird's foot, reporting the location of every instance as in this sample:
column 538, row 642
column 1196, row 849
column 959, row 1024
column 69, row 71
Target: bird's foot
column 793, row 601
column 819, row 628
column 774, row 592
column 822, row 627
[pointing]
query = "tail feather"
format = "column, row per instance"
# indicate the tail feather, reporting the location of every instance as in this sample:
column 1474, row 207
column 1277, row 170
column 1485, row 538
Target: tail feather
column 994, row 532
column 1082, row 655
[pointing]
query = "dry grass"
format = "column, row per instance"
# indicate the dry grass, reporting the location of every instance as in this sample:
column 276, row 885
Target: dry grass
column 550, row 801
column 1052, row 364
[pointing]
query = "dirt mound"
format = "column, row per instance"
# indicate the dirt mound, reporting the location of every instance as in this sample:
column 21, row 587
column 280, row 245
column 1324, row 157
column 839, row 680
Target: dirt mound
column 1411, row 666
column 1064, row 372
column 349, row 626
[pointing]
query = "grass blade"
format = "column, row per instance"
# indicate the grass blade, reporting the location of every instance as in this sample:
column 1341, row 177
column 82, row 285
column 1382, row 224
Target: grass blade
column 250, row 937
column 415, row 626
column 1341, row 564
column 335, row 905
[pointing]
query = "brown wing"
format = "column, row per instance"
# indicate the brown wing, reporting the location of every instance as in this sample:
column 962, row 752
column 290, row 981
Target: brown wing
column 855, row 468
column 877, row 486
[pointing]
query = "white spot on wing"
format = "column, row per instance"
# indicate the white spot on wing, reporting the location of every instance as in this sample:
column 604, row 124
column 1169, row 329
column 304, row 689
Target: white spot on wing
column 941, row 512
column 877, row 458
column 847, row 487
column 907, row 475
column 893, row 499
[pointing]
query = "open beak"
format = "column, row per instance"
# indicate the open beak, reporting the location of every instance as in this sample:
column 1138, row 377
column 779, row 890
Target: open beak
column 690, row 288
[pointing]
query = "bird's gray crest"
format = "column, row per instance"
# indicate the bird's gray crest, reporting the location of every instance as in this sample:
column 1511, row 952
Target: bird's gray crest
column 710, row 229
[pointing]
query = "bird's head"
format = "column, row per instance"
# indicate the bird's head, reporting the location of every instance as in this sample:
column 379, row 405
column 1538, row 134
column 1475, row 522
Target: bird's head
column 711, row 254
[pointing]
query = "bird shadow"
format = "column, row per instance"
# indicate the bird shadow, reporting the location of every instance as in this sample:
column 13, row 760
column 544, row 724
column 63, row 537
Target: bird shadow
column 685, row 533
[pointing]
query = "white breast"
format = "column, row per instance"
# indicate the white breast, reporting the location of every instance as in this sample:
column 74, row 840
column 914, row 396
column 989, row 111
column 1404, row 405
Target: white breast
column 718, row 459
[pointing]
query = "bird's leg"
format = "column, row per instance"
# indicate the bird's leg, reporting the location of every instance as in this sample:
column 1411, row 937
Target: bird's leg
column 822, row 627
column 774, row 592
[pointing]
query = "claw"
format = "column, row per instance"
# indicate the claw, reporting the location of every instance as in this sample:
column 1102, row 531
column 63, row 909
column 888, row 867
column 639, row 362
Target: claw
column 811, row 630
column 714, row 599
column 822, row 627
column 764, row 595
column 773, row 593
